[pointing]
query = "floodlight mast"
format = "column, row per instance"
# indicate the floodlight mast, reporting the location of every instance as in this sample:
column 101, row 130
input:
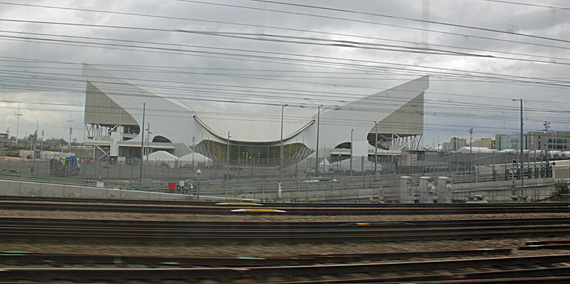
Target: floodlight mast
column 522, row 146
column 142, row 143
column 317, row 147
column 281, row 150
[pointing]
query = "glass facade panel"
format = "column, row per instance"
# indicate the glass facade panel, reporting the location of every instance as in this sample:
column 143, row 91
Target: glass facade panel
column 512, row 142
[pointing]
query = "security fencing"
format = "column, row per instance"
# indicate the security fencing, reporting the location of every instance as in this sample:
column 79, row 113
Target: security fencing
column 359, row 180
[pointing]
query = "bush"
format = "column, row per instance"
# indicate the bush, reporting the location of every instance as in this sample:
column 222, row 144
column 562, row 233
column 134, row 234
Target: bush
column 561, row 187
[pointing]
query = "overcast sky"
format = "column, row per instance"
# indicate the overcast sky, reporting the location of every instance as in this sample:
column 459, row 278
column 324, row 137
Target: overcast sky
column 249, row 55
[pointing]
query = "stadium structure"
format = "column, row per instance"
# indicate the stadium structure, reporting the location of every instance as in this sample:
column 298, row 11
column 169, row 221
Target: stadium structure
column 118, row 112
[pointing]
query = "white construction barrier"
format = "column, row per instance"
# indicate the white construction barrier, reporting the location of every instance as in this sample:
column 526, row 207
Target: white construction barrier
column 427, row 190
column 444, row 190
column 406, row 189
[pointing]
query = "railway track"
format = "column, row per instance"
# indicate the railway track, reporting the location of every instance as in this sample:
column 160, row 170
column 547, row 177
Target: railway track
column 283, row 205
column 231, row 208
column 17, row 258
column 36, row 229
column 540, row 269
column 465, row 266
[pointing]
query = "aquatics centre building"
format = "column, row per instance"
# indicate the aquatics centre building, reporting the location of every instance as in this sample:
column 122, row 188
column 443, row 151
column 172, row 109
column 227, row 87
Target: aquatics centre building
column 118, row 112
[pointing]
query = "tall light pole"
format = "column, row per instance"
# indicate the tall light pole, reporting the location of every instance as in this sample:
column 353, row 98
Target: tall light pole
column 42, row 145
column 376, row 149
column 142, row 143
column 546, row 127
column 281, row 152
column 70, row 132
column 18, row 124
column 227, row 166
column 148, row 151
column 522, row 146
column 194, row 151
column 318, row 126
column 351, row 135
column 470, row 149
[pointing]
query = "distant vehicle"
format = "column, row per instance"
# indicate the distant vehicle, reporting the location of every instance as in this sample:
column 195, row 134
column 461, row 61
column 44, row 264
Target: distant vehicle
column 64, row 166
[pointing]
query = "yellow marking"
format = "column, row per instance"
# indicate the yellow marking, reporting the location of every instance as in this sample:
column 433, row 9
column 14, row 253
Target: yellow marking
column 259, row 210
column 239, row 204
column 363, row 224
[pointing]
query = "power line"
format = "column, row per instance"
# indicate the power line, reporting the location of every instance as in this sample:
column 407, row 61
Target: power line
column 396, row 17
column 530, row 4
column 250, row 25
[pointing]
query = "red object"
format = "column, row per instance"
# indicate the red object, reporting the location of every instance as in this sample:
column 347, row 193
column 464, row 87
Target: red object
column 171, row 186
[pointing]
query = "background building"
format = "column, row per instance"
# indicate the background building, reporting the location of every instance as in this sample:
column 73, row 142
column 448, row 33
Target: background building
column 552, row 140
column 454, row 144
column 535, row 140
column 115, row 111
column 484, row 142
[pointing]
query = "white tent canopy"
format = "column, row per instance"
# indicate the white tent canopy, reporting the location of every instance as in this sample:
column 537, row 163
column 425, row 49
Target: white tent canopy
column 174, row 161
column 197, row 158
column 476, row 150
column 161, row 156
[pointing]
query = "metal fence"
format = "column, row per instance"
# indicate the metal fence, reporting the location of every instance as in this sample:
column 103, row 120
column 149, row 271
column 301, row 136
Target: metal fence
column 359, row 179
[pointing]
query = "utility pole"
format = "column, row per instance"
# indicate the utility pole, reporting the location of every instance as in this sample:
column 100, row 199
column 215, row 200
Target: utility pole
column 70, row 132
column 522, row 147
column 42, row 145
column 470, row 149
column 281, row 152
column 227, row 165
column 142, row 143
column 351, row 134
column 546, row 127
column 147, row 146
column 317, row 153
column 18, row 125
column 194, row 151
column 376, row 149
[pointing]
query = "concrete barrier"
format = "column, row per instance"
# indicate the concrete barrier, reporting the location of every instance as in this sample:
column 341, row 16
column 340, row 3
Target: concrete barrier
column 26, row 188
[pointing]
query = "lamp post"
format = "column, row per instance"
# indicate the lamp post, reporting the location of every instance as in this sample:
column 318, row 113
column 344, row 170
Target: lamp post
column 522, row 146
column 470, row 149
column 148, row 151
column 142, row 143
column 376, row 149
column 546, row 127
column 318, row 126
column 227, row 165
column 281, row 150
column 193, row 152
column 70, row 132
column 351, row 134
column 18, row 124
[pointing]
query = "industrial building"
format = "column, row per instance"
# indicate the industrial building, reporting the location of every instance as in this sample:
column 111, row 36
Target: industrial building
column 535, row 140
column 118, row 112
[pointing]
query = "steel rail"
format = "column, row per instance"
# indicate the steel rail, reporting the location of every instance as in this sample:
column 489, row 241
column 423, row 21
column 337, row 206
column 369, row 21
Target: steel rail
column 533, row 275
column 264, row 274
column 289, row 226
column 282, row 205
column 190, row 235
column 24, row 258
column 216, row 210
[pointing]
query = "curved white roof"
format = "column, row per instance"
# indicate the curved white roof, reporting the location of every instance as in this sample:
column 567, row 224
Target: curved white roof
column 252, row 126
